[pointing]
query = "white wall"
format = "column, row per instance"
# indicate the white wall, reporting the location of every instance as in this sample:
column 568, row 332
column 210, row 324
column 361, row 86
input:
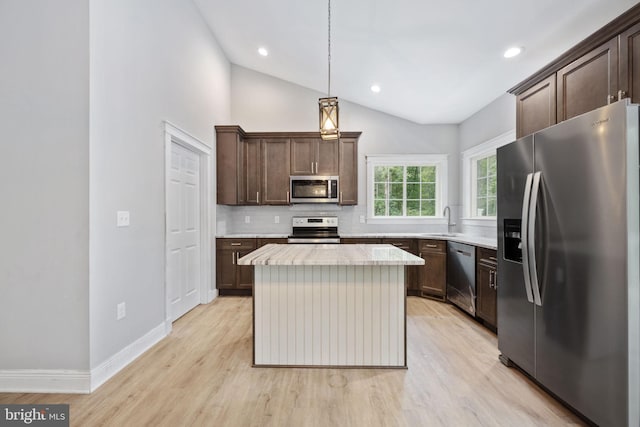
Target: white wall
column 44, row 117
column 263, row 103
column 151, row 60
column 497, row 118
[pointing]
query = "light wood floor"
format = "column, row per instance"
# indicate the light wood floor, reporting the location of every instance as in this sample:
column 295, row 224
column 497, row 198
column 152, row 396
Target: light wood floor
column 201, row 375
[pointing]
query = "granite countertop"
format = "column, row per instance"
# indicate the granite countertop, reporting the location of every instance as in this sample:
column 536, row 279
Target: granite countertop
column 301, row 254
column 485, row 242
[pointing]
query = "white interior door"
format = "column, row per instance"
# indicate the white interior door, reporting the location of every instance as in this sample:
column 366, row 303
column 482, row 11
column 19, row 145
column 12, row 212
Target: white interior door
column 183, row 231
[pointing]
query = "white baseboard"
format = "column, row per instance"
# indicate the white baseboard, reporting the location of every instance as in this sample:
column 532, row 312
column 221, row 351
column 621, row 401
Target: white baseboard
column 118, row 361
column 213, row 294
column 44, row 381
column 75, row 381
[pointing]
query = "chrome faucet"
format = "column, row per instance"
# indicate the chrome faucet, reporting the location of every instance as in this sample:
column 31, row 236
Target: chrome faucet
column 447, row 212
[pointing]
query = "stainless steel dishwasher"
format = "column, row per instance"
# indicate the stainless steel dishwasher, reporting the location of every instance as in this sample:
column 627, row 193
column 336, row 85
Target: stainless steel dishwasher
column 461, row 276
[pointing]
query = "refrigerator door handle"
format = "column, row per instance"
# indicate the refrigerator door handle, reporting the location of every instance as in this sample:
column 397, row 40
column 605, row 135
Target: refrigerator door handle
column 524, row 233
column 531, row 239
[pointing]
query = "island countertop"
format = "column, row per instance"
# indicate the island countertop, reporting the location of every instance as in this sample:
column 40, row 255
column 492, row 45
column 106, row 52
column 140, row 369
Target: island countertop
column 330, row 254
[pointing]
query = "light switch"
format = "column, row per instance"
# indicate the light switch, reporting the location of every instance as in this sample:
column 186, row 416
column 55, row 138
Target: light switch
column 276, row 219
column 123, row 219
column 247, row 219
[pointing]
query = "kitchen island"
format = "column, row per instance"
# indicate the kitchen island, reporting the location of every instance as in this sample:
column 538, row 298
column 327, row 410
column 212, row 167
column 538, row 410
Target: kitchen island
column 329, row 305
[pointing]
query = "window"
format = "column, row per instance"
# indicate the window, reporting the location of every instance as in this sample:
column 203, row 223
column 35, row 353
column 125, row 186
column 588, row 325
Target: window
column 406, row 187
column 479, row 175
column 485, row 186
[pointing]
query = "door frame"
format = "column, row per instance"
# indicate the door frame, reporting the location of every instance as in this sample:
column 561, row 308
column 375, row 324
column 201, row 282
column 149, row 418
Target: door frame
column 174, row 134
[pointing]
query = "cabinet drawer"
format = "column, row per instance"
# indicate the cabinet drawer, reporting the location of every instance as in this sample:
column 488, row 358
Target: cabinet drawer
column 486, row 254
column 432, row 246
column 236, row 244
column 408, row 245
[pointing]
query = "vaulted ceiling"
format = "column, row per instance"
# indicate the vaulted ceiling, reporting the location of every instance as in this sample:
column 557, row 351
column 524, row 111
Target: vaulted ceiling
column 435, row 62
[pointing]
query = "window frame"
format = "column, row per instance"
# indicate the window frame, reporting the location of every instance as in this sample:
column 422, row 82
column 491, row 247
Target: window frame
column 440, row 161
column 469, row 176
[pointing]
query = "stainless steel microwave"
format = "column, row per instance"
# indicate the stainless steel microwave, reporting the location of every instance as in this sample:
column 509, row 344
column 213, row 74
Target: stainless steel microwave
column 314, row 189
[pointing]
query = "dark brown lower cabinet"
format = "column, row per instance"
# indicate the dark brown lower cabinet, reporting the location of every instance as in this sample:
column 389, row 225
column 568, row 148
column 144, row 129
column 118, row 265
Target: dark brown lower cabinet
column 433, row 274
column 359, row 240
column 487, row 286
column 411, row 271
column 231, row 278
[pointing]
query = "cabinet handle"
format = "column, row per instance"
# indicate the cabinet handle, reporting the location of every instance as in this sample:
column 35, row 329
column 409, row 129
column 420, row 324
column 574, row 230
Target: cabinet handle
column 316, row 167
column 610, row 99
column 233, row 258
column 288, row 199
column 236, row 244
column 341, row 197
column 258, row 197
column 420, row 254
column 312, row 172
column 621, row 94
column 431, row 246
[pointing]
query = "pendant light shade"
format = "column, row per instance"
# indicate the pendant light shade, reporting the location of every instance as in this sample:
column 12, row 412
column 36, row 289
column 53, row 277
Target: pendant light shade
column 329, row 126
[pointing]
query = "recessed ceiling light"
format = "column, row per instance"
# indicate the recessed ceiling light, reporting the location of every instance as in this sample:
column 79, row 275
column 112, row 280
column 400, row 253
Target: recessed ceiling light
column 375, row 88
column 512, row 51
column 263, row 52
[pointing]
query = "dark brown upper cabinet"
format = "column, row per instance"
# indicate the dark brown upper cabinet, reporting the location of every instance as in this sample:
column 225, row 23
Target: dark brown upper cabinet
column 589, row 82
column 348, row 171
column 250, row 182
column 275, row 171
column 313, row 156
column 536, row 107
column 603, row 68
column 630, row 64
column 231, row 159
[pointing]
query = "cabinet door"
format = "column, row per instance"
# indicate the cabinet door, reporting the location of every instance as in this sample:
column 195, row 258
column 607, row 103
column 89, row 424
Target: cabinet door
column 244, row 279
column 229, row 159
column 433, row 274
column 487, row 295
column 630, row 64
column 536, row 107
column 588, row 82
column 411, row 271
column 251, row 171
column 348, row 171
column 303, row 156
column 225, row 269
column 327, row 158
column 275, row 171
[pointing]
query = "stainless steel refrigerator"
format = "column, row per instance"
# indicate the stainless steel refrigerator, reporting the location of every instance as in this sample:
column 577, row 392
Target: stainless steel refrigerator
column 568, row 261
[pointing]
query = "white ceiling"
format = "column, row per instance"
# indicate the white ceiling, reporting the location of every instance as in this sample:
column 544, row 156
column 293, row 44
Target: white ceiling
column 436, row 62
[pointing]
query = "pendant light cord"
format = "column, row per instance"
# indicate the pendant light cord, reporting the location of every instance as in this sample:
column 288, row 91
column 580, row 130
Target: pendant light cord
column 329, row 44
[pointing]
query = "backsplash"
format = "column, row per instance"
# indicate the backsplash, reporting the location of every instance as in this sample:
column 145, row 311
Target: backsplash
column 262, row 219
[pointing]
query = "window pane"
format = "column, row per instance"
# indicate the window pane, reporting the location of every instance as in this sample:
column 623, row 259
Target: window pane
column 482, row 167
column 395, row 208
column 380, row 191
column 491, row 206
column 413, row 191
column 428, row 173
column 396, row 191
column 413, row 208
column 491, row 189
column 481, row 187
column 491, row 165
column 396, row 174
column 379, row 208
column 481, row 206
column 413, row 174
column 380, row 173
column 428, row 208
column 428, row 191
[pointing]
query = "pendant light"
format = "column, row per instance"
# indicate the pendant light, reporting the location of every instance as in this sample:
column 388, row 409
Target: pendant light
column 329, row 106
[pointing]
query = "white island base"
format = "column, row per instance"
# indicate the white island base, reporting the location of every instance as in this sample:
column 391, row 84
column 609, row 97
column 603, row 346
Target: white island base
column 330, row 305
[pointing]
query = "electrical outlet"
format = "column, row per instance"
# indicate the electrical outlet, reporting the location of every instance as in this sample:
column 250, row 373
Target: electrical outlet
column 247, row 219
column 276, row 219
column 121, row 311
column 361, row 219
column 123, row 219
